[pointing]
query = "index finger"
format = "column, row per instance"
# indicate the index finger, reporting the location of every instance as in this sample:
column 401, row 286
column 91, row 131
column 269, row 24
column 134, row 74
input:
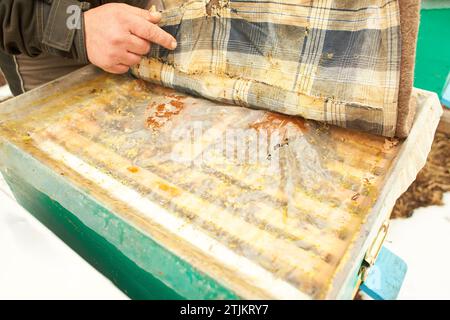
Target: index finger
column 151, row 32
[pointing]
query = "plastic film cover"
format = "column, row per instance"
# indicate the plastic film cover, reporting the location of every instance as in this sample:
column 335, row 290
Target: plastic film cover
column 274, row 200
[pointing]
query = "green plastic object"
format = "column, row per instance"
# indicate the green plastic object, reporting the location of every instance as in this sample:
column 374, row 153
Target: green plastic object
column 433, row 49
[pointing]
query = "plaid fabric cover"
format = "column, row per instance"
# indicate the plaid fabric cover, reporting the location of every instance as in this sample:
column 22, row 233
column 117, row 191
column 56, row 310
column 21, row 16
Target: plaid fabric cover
column 327, row 60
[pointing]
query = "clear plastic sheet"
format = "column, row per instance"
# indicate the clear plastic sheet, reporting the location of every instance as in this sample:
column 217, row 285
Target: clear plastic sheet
column 286, row 194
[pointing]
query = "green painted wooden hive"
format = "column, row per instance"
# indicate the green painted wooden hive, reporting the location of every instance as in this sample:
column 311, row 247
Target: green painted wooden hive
column 433, row 47
column 177, row 197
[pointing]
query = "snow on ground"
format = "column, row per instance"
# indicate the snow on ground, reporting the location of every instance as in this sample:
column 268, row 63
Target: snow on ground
column 5, row 93
column 35, row 264
column 423, row 241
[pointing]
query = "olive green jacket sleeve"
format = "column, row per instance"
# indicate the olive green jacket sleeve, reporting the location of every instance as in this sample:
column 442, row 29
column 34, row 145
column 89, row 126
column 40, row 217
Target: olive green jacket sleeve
column 31, row 27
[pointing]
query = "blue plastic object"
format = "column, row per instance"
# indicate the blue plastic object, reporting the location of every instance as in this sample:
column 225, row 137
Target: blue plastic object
column 445, row 100
column 385, row 277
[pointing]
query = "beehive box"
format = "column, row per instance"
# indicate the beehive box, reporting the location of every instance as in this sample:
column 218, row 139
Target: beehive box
column 173, row 196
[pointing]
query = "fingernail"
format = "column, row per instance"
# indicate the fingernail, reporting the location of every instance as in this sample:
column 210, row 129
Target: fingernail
column 173, row 45
column 156, row 15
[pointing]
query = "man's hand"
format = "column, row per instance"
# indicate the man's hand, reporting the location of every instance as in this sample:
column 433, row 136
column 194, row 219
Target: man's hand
column 118, row 35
